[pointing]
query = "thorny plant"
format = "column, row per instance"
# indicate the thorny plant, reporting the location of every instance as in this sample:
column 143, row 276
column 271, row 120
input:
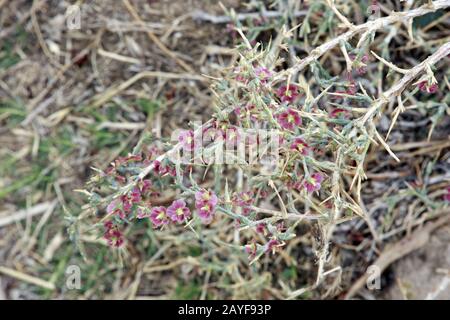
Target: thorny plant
column 319, row 139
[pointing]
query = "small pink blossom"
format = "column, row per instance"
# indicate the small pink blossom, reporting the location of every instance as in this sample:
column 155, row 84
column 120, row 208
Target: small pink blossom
column 263, row 74
column 135, row 195
column 288, row 94
column 186, row 138
column 300, row 145
column 313, row 182
column 178, row 211
column 206, row 202
column 145, row 186
column 162, row 170
column 361, row 66
column 115, row 208
column 244, row 198
column 289, row 119
column 158, row 216
column 206, row 196
column 425, row 87
column 261, row 228
column 113, row 235
column 112, row 206
column 127, row 203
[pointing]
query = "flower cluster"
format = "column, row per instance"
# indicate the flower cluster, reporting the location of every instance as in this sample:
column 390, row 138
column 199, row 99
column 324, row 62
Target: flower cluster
column 206, row 203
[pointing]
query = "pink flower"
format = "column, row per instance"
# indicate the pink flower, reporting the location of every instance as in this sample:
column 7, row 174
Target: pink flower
column 425, row 87
column 178, row 211
column 162, row 170
column 186, row 138
column 206, row 202
column 288, row 94
column 135, row 195
column 158, row 216
column 261, row 228
column 113, row 235
column 206, row 212
column 145, row 186
column 447, row 195
column 289, row 119
column 361, row 66
column 114, row 207
column 205, row 196
column 300, row 145
column 126, row 203
column 313, row 182
column 263, row 74
column 244, row 198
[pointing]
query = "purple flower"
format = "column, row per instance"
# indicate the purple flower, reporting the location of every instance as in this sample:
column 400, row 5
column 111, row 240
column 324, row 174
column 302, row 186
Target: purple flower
column 300, row 145
column 178, row 211
column 289, row 119
column 205, row 203
column 313, row 182
column 288, row 94
column 158, row 216
column 186, row 138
